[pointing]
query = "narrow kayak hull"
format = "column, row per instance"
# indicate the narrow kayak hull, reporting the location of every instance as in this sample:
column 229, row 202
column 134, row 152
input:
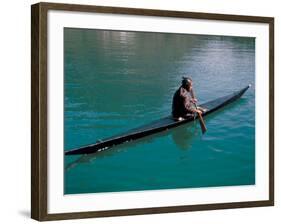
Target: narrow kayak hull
column 155, row 126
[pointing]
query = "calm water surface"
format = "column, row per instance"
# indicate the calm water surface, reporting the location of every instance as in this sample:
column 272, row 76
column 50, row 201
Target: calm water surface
column 115, row 81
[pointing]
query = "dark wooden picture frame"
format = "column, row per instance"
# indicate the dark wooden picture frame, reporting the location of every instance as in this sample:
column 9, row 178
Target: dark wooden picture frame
column 39, row 148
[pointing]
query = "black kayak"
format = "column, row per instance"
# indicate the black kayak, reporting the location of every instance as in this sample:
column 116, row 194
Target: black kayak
column 155, row 126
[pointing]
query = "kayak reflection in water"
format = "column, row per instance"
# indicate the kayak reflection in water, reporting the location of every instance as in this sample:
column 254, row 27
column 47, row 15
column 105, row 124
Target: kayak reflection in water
column 183, row 136
column 184, row 101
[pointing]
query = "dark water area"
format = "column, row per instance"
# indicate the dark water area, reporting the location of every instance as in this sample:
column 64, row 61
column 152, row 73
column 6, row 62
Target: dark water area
column 115, row 81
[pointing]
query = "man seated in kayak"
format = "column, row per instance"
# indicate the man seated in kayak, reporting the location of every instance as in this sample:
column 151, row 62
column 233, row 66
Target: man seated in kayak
column 184, row 101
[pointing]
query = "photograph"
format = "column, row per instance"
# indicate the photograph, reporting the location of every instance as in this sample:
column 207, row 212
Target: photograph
column 144, row 111
column 151, row 111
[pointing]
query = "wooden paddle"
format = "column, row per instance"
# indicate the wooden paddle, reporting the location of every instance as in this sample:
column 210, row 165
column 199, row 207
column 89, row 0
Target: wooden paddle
column 201, row 121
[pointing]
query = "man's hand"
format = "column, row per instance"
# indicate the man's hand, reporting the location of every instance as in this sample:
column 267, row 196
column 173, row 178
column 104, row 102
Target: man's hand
column 197, row 111
column 194, row 100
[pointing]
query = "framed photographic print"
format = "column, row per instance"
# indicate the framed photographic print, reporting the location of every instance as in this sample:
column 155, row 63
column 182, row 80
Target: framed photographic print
column 140, row 111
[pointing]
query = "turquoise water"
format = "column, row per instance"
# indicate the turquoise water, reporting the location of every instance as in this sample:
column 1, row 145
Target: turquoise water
column 115, row 81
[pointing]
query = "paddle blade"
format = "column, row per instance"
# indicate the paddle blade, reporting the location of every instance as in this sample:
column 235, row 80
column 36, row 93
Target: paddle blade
column 202, row 124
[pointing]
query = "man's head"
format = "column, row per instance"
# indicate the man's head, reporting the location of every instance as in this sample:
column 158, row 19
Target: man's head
column 186, row 83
